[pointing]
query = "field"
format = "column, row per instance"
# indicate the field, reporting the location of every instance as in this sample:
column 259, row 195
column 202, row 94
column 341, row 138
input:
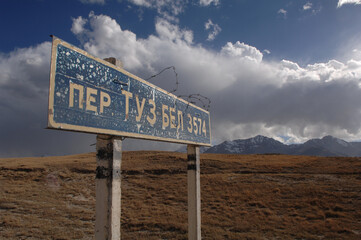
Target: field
column 243, row 197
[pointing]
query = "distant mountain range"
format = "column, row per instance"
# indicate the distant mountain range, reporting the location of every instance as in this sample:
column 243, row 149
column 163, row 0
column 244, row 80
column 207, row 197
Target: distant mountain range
column 327, row 146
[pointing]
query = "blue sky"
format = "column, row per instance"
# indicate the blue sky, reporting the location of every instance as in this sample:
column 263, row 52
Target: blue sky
column 285, row 69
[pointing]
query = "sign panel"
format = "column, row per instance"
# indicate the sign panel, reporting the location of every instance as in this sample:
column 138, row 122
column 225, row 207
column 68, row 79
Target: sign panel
column 88, row 94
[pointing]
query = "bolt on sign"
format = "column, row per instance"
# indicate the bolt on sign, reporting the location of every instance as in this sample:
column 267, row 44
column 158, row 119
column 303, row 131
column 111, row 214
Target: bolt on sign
column 88, row 94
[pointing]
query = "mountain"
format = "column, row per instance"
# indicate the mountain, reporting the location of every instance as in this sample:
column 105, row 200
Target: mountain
column 258, row 144
column 327, row 146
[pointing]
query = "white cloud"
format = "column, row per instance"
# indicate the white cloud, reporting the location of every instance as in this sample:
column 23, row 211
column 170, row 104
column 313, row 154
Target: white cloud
column 168, row 9
column 172, row 32
column 282, row 12
column 17, row 65
column 143, row 3
column 93, row 1
column 215, row 29
column 208, row 2
column 78, row 25
column 343, row 2
column 100, row 39
column 307, row 6
column 242, row 51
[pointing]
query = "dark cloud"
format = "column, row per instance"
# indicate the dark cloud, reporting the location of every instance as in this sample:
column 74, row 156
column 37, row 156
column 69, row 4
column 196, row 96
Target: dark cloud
column 23, row 104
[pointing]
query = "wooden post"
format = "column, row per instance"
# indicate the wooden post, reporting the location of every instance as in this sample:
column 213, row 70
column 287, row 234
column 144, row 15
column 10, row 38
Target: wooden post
column 108, row 188
column 194, row 193
column 108, row 184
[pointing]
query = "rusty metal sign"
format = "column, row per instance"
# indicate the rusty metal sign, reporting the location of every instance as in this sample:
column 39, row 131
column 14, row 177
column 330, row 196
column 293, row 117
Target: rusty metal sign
column 88, row 94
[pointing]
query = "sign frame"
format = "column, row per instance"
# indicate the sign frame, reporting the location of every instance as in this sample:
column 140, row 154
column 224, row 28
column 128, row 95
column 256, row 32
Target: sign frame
column 53, row 124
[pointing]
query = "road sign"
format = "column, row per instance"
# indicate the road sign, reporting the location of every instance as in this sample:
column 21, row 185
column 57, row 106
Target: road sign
column 88, row 94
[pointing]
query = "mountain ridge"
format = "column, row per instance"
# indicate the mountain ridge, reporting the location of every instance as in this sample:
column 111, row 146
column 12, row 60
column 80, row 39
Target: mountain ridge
column 326, row 146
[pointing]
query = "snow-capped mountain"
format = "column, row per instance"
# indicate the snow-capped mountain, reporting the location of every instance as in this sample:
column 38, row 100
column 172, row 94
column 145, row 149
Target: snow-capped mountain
column 327, row 146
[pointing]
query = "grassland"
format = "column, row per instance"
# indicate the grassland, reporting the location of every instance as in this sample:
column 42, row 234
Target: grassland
column 243, row 197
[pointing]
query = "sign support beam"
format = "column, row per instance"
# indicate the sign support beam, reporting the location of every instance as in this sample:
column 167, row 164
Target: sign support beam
column 194, row 193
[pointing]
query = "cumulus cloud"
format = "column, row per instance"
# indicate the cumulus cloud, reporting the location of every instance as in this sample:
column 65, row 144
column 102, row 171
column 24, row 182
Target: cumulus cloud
column 250, row 95
column 78, row 25
column 208, row 2
column 93, row 1
column 242, row 51
column 343, row 2
column 214, row 29
column 172, row 32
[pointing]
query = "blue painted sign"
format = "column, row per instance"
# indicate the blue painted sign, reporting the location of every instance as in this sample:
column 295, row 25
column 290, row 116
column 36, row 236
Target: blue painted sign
column 88, row 94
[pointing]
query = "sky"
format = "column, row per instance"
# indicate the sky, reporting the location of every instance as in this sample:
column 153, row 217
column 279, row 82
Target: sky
column 285, row 69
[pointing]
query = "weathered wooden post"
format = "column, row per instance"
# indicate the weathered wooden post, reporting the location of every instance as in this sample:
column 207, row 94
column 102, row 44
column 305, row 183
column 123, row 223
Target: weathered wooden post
column 194, row 193
column 108, row 183
column 108, row 188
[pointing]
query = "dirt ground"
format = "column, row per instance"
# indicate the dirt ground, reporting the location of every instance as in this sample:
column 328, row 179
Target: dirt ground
column 243, row 197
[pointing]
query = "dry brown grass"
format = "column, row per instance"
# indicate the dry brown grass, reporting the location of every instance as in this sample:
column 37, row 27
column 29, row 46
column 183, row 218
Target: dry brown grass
column 243, row 197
